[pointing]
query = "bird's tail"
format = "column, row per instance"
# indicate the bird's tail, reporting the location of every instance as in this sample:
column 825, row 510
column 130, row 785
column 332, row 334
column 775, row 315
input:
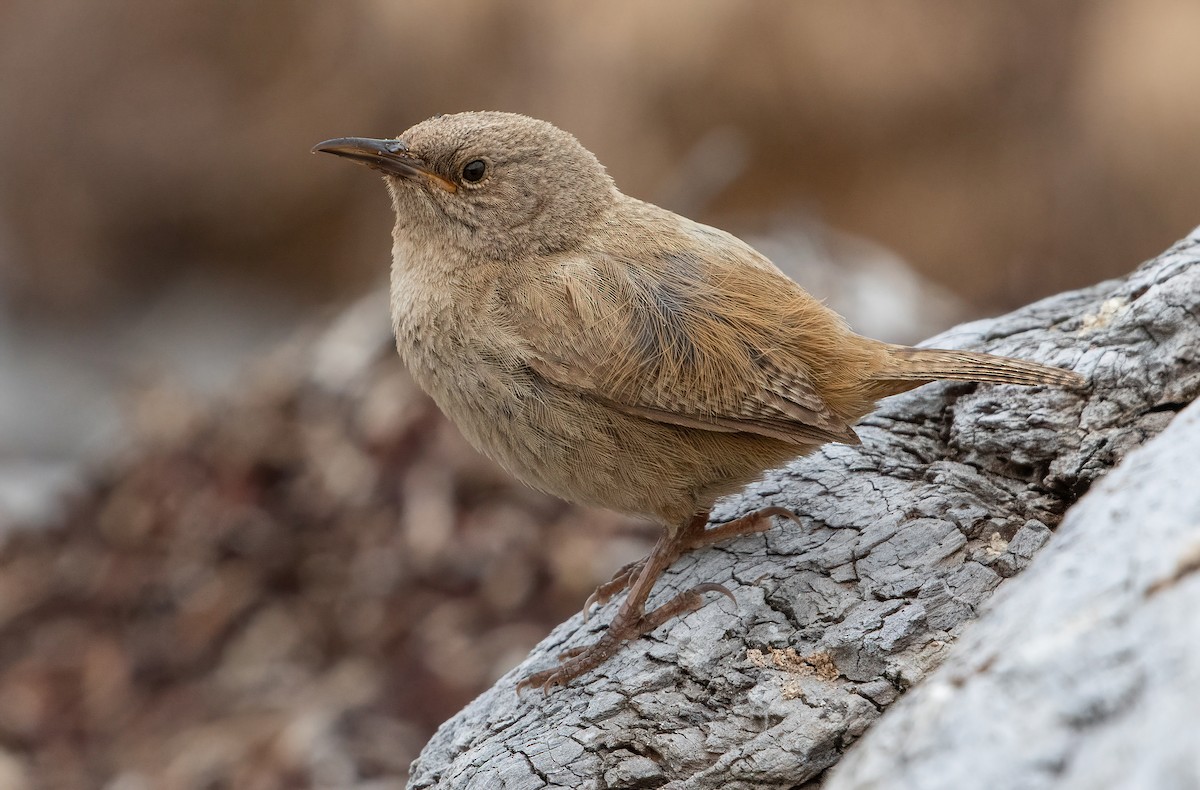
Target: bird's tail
column 908, row 367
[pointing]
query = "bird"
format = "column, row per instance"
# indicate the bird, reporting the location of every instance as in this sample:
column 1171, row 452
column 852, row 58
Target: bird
column 615, row 354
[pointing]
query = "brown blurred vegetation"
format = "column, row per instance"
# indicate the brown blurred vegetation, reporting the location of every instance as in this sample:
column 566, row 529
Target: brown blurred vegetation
column 1007, row 149
column 291, row 589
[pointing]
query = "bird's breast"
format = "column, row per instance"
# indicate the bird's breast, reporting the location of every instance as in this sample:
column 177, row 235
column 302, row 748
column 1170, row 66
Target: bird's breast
column 458, row 354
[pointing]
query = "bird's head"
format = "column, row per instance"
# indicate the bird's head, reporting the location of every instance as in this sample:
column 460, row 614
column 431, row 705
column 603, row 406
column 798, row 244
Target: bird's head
column 497, row 186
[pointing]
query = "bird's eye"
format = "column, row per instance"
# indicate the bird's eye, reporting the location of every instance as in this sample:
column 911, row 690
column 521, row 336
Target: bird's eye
column 473, row 171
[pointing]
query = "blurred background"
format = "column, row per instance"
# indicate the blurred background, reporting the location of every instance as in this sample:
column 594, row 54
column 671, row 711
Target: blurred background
column 167, row 243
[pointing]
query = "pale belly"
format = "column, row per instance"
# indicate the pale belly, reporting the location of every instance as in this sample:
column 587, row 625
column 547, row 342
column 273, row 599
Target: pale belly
column 584, row 451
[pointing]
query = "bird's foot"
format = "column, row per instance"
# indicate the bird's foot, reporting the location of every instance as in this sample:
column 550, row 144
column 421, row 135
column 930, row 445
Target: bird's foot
column 578, row 660
column 695, row 536
column 749, row 524
column 619, row 581
column 632, row 620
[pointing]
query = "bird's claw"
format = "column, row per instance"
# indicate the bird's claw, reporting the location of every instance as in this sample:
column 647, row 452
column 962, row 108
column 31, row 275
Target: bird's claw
column 605, row 592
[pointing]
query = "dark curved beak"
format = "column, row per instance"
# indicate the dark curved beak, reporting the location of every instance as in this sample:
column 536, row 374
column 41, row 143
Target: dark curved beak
column 387, row 156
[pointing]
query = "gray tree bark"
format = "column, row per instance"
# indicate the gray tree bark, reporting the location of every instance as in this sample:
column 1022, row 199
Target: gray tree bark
column 1086, row 673
column 904, row 540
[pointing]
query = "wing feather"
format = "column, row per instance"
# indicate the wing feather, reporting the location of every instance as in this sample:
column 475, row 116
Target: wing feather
column 684, row 337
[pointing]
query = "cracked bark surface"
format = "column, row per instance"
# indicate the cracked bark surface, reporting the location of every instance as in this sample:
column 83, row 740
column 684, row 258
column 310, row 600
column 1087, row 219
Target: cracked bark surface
column 1086, row 673
column 954, row 490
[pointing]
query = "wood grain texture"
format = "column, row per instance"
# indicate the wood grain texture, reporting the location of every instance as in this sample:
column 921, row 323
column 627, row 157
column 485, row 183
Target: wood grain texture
column 953, row 491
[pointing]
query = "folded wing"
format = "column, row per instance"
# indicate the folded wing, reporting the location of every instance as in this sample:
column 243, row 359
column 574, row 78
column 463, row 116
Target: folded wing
column 697, row 343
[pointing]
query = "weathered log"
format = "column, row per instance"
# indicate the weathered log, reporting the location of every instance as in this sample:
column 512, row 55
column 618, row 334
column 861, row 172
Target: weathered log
column 1085, row 674
column 953, row 490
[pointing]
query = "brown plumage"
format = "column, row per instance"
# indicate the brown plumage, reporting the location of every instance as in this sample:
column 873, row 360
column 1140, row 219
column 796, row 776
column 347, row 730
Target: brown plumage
column 613, row 353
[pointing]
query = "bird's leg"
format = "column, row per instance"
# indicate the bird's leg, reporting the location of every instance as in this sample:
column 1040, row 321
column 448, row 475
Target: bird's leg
column 749, row 524
column 694, row 536
column 631, row 620
column 619, row 581
column 626, row 574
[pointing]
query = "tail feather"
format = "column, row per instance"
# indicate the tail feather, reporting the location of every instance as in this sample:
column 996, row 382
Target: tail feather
column 909, row 367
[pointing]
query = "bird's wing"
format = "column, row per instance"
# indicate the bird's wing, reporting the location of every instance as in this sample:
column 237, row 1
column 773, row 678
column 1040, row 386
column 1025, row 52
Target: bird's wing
column 699, row 338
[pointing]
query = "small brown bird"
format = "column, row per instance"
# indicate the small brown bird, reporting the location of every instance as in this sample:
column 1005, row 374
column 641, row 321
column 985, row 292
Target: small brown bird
column 613, row 353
